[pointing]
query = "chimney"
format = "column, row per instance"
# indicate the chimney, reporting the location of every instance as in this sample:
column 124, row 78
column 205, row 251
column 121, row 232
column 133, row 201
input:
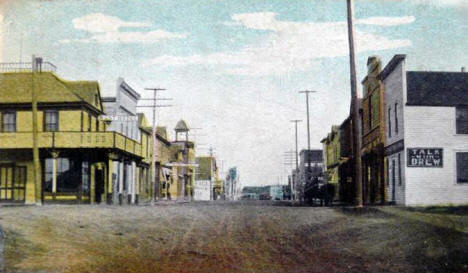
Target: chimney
column 36, row 64
column 463, row 69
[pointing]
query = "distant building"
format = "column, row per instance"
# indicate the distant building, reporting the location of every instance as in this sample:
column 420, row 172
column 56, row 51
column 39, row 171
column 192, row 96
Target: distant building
column 347, row 182
column 426, row 135
column 332, row 158
column 310, row 172
column 205, row 179
column 275, row 192
column 231, row 184
column 251, row 192
column 183, row 159
column 164, row 172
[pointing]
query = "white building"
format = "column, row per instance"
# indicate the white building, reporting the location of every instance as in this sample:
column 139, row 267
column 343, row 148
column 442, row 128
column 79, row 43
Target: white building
column 121, row 110
column 427, row 135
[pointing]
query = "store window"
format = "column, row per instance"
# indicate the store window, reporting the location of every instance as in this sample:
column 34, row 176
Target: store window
column 462, row 167
column 69, row 174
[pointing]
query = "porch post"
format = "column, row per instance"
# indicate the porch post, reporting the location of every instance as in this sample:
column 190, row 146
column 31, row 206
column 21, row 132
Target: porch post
column 92, row 187
column 133, row 182
column 110, row 185
column 121, row 180
column 55, row 155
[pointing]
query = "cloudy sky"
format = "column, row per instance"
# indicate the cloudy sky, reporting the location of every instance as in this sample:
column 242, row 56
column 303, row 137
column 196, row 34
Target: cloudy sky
column 234, row 67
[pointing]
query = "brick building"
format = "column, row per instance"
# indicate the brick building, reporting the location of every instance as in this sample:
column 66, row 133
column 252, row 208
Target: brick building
column 373, row 135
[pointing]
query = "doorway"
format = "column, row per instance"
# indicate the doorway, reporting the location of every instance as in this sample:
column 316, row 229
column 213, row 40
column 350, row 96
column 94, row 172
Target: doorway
column 99, row 179
column 12, row 183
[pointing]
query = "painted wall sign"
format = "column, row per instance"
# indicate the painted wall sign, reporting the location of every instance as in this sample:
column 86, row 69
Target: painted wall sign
column 425, row 157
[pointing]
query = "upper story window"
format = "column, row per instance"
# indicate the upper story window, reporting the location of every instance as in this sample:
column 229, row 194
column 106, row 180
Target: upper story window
column 462, row 167
column 462, row 120
column 9, row 121
column 396, row 118
column 369, row 110
column 375, row 108
column 51, row 121
column 389, row 122
column 89, row 122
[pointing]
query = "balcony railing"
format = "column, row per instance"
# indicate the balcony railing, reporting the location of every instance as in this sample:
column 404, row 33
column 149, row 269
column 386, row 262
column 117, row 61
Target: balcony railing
column 111, row 140
column 27, row 67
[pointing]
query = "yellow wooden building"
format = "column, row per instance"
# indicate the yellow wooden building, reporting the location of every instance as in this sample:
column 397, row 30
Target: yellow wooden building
column 175, row 164
column 76, row 154
column 333, row 159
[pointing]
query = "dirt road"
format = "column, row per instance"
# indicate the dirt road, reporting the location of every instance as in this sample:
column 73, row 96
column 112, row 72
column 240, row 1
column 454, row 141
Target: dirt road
column 239, row 237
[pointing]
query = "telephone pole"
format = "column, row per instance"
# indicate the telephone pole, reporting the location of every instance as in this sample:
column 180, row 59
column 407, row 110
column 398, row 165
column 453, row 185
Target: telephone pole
column 154, row 106
column 307, row 92
column 296, row 121
column 354, row 105
column 36, row 161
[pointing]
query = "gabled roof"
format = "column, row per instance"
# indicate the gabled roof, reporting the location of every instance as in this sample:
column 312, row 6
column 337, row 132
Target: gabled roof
column 437, row 88
column 143, row 123
column 16, row 88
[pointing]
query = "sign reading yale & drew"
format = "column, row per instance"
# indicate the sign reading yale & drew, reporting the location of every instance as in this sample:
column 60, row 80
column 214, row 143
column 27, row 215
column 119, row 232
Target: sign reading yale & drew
column 425, row 157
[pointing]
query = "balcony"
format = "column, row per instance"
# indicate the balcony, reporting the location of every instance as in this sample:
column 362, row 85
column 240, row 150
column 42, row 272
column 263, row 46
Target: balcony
column 27, row 67
column 72, row 140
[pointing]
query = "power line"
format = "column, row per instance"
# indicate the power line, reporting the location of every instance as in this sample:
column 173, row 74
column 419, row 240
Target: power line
column 154, row 106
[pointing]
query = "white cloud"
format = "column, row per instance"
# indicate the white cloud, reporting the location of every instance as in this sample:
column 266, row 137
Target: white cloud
column 442, row 3
column 386, row 21
column 290, row 46
column 98, row 22
column 107, row 29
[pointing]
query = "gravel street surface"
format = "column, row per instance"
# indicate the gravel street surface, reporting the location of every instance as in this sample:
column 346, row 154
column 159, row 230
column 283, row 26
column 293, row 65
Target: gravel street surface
column 234, row 237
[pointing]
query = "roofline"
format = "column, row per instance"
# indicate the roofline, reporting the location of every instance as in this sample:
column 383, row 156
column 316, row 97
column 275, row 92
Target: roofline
column 60, row 105
column 163, row 139
column 365, row 79
column 345, row 120
column 391, row 66
column 126, row 87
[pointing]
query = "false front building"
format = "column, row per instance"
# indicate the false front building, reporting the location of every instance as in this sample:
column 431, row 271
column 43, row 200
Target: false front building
column 373, row 136
column 76, row 155
column 427, row 135
column 133, row 177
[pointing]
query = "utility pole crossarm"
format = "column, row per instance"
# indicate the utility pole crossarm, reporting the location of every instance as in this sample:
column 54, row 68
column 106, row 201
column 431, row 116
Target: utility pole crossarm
column 157, row 99
column 154, row 106
column 157, row 105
